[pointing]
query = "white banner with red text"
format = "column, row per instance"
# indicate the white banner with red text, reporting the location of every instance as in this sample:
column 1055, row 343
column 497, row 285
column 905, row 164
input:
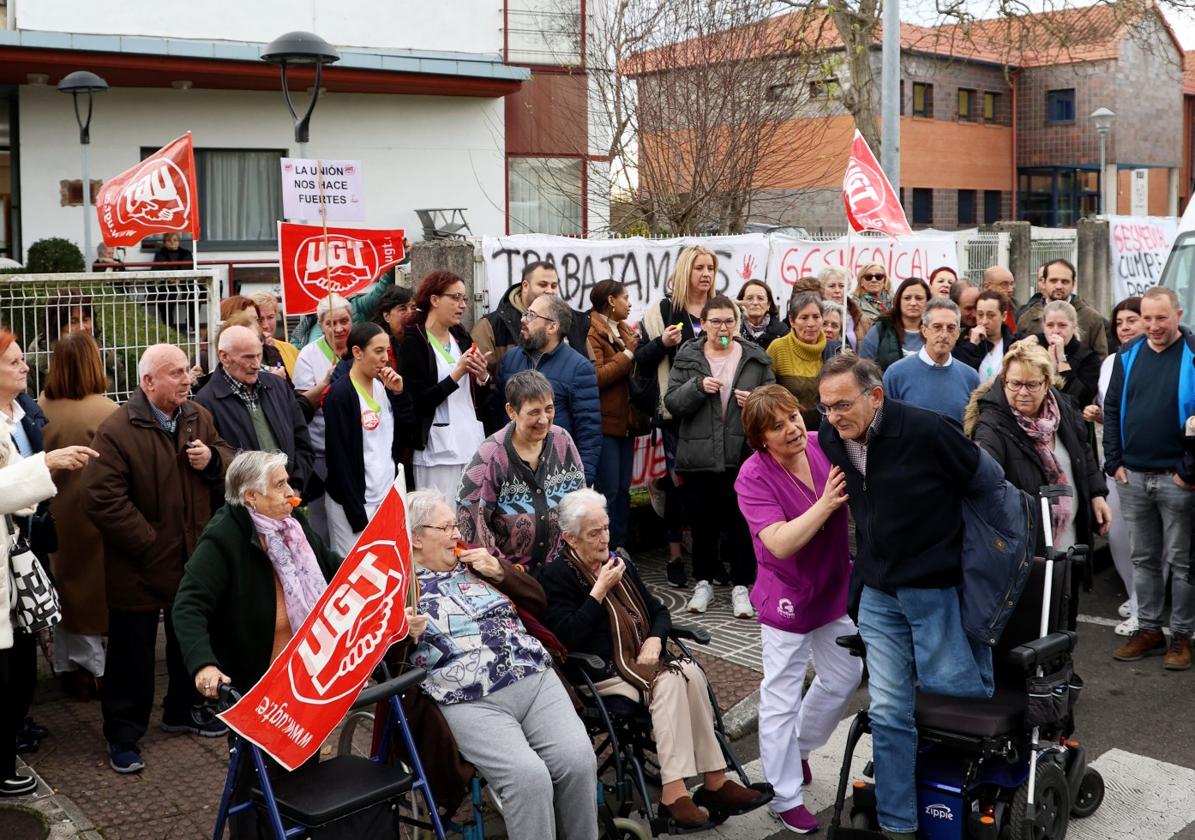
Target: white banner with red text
column 1138, row 247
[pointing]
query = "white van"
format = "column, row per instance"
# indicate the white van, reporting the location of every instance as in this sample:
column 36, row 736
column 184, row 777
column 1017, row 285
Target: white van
column 1179, row 271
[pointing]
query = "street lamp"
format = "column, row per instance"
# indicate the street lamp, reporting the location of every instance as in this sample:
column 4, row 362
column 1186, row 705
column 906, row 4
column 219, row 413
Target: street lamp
column 84, row 83
column 1102, row 117
column 300, row 49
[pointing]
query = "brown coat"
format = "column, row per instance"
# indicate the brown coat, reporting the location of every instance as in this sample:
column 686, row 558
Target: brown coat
column 613, row 372
column 78, row 565
column 149, row 505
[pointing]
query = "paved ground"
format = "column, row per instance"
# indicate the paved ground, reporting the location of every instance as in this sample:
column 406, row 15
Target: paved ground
column 1136, row 721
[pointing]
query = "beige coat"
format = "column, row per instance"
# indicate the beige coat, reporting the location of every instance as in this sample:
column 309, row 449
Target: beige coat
column 78, row 565
column 23, row 484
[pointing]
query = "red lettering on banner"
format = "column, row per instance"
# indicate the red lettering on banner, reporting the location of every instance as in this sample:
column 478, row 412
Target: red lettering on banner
column 649, row 461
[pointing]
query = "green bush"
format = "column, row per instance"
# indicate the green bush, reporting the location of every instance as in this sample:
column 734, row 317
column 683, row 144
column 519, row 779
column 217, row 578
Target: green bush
column 53, row 256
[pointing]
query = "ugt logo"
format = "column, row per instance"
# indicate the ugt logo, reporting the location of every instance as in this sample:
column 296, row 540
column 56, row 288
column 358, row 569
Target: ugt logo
column 157, row 194
column 335, row 263
column 864, row 189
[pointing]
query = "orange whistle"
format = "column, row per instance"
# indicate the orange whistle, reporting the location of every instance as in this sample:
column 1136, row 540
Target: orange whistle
column 458, row 549
column 294, row 501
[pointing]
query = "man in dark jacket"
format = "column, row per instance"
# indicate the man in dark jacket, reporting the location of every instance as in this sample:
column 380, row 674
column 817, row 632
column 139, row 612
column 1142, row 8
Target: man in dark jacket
column 255, row 410
column 500, row 330
column 1058, row 283
column 149, row 495
column 902, row 463
column 574, row 382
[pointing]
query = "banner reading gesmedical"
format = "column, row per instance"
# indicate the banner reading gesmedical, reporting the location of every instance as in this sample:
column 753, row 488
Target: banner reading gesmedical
column 345, row 261
column 915, row 255
column 155, row 196
column 870, row 201
column 318, row 675
column 1139, row 246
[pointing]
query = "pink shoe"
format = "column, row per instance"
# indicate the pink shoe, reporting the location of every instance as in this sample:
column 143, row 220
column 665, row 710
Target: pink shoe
column 806, row 773
column 799, row 820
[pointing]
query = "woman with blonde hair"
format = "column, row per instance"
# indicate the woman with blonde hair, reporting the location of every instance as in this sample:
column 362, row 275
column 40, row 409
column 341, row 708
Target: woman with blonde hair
column 833, row 280
column 666, row 325
column 873, row 291
column 267, row 322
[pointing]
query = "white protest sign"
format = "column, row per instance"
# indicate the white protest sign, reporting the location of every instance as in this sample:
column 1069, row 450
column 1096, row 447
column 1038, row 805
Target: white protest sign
column 644, row 265
column 1138, row 246
column 330, row 190
column 907, row 256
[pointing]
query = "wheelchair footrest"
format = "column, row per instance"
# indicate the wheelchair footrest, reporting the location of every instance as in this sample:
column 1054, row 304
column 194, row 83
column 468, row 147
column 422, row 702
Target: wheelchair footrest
column 333, row 789
column 716, row 813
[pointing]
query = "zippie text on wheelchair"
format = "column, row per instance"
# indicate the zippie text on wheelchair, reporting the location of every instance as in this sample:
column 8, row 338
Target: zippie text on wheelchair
column 1004, row 768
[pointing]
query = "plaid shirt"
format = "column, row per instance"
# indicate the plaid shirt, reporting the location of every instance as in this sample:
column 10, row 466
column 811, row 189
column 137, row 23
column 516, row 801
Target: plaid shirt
column 168, row 424
column 246, row 395
column 857, row 451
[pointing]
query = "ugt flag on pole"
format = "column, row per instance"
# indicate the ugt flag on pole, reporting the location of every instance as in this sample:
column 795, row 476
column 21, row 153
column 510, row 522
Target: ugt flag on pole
column 871, row 203
column 318, row 675
column 156, row 196
column 315, row 261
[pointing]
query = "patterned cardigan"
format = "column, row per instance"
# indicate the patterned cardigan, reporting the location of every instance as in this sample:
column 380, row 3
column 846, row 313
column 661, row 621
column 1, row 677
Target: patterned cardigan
column 508, row 509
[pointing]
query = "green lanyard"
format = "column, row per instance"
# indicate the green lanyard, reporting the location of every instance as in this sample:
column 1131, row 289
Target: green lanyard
column 326, row 350
column 369, row 400
column 443, row 351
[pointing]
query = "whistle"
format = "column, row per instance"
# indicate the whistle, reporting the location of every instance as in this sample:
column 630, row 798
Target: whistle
column 680, row 325
column 725, row 341
column 458, row 549
column 294, row 501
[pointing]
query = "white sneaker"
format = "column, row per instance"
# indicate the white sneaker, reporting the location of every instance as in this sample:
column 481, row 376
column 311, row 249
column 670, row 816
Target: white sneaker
column 703, row 593
column 1126, row 628
column 740, row 601
column 1124, row 610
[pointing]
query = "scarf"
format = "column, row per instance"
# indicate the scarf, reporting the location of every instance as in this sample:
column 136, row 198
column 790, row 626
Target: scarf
column 882, row 301
column 751, row 331
column 294, row 562
column 1041, row 430
column 793, row 357
column 628, row 629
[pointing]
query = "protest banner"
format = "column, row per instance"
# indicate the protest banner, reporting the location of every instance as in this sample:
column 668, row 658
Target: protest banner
column 315, row 260
column 156, row 196
column 1138, row 246
column 330, row 190
column 867, row 195
column 915, row 255
column 307, row 690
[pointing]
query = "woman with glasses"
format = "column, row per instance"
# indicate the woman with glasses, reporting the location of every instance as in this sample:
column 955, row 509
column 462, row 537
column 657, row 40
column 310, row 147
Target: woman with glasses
column 1037, row 434
column 443, row 371
column 710, row 379
column 797, row 358
column 873, row 292
column 898, row 333
column 762, row 323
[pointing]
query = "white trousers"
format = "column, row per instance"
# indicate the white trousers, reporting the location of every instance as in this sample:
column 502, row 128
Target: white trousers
column 446, row 478
column 341, row 534
column 73, row 651
column 791, row 727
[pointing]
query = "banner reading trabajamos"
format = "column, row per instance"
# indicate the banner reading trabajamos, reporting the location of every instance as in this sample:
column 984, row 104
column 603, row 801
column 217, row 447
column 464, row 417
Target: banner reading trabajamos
column 318, row 675
column 314, row 261
column 1139, row 246
column 907, row 256
column 156, row 196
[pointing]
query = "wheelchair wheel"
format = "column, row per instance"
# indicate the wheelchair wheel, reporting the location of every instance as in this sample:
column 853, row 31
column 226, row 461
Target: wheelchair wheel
column 348, row 743
column 1090, row 794
column 1053, row 806
column 629, row 830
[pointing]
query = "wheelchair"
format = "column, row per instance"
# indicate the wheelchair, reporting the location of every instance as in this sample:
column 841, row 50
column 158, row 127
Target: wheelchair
column 1005, row 768
column 622, row 732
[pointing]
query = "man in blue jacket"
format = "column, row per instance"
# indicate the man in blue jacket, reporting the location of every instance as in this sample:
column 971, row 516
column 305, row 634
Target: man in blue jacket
column 574, row 382
column 907, row 470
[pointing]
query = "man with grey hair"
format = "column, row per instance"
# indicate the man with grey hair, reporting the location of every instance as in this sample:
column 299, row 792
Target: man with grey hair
column 150, row 496
column 932, row 379
column 255, row 409
column 574, row 382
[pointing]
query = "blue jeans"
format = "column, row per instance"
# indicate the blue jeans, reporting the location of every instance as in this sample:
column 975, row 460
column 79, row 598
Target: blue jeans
column 1158, row 515
column 913, row 637
column 614, row 482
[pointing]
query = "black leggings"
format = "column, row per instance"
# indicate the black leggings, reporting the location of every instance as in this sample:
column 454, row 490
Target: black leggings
column 18, row 679
column 713, row 508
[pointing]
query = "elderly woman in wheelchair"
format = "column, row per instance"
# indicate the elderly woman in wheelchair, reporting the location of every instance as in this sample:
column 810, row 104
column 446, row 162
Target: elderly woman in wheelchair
column 494, row 682
column 598, row 605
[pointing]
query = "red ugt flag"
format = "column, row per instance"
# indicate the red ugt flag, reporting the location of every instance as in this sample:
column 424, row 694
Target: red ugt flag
column 318, row 675
column 315, row 262
column 871, row 203
column 157, row 195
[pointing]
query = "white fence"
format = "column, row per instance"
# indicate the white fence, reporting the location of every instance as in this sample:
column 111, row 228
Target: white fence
column 1046, row 244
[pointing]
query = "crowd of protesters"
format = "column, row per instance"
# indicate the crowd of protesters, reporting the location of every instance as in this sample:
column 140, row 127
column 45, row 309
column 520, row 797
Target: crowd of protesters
column 780, row 421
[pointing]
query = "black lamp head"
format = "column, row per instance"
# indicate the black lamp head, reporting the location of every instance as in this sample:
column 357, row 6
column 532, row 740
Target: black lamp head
column 82, row 81
column 299, row 49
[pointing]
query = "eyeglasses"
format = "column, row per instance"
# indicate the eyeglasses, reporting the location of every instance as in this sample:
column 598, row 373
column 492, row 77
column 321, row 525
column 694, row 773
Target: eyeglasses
column 530, row 316
column 874, row 276
column 446, row 529
column 459, row 297
column 838, row 407
column 720, row 322
column 1032, row 387
column 938, row 329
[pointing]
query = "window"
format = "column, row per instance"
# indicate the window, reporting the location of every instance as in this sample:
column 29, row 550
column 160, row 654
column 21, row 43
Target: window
column 991, row 106
column 781, row 93
column 825, row 89
column 545, row 195
column 543, row 33
column 923, row 99
column 991, row 206
column 966, row 104
column 1060, row 106
column 923, row 206
column 966, row 207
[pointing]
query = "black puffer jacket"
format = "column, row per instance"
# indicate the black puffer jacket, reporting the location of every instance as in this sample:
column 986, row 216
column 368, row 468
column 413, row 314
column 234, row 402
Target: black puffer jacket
column 974, row 354
column 1082, row 381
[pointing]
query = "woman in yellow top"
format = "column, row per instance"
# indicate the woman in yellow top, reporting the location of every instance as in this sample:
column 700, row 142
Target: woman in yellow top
column 797, row 358
column 267, row 319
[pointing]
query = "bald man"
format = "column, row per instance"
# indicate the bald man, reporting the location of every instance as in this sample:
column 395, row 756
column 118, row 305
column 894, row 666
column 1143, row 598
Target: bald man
column 256, row 409
column 997, row 278
column 150, row 495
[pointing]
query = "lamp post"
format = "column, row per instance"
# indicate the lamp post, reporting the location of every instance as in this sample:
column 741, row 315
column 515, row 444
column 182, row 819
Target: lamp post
column 300, row 49
column 84, row 83
column 1102, row 118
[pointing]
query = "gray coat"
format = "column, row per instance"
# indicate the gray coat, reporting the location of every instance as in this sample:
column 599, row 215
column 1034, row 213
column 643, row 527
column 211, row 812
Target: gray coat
column 710, row 442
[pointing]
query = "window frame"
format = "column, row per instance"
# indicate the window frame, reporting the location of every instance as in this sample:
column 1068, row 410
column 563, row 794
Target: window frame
column 582, row 196
column 991, row 97
column 969, row 94
column 922, row 195
column 967, row 219
column 1056, row 98
column 988, row 195
column 926, row 89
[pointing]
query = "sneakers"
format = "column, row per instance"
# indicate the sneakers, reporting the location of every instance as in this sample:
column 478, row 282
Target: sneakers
column 124, row 759
column 1126, row 628
column 740, row 601
column 675, row 572
column 1178, row 656
column 1141, row 644
column 18, row 785
column 213, row 728
column 799, row 820
column 1125, row 609
column 703, row 593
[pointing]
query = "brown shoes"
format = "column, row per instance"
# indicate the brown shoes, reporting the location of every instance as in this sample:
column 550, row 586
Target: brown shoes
column 731, row 799
column 1144, row 643
column 1178, row 656
column 685, row 814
